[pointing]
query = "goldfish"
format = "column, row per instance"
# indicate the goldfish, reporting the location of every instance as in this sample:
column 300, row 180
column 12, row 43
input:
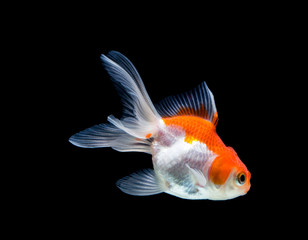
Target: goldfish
column 190, row 160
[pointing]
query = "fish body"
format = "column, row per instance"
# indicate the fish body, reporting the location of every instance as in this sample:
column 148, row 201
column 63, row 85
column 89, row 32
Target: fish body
column 189, row 159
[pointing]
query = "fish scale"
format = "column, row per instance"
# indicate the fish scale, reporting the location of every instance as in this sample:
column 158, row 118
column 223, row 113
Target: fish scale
column 198, row 129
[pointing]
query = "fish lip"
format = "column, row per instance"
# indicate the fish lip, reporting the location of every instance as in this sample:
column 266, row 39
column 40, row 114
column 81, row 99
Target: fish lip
column 247, row 189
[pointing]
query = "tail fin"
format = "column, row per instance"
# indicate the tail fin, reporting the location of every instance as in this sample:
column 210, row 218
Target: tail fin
column 139, row 120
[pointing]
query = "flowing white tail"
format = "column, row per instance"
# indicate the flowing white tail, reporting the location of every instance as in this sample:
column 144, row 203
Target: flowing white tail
column 139, row 120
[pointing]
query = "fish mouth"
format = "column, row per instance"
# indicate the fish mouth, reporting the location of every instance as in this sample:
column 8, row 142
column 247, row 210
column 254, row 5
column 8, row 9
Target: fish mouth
column 247, row 189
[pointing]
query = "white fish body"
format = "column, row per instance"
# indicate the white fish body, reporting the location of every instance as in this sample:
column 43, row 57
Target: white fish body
column 180, row 166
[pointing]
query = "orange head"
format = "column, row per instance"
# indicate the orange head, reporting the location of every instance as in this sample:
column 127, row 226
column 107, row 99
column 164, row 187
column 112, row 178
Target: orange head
column 229, row 174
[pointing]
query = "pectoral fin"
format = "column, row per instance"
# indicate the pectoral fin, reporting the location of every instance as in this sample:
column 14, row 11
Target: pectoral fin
column 197, row 176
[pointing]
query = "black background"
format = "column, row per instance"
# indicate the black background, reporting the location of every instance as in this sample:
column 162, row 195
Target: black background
column 240, row 59
column 235, row 73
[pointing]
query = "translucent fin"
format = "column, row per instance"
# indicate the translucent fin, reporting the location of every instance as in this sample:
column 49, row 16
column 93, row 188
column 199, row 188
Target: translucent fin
column 139, row 120
column 139, row 114
column 107, row 135
column 142, row 183
column 97, row 136
column 136, row 101
column 197, row 102
column 197, row 176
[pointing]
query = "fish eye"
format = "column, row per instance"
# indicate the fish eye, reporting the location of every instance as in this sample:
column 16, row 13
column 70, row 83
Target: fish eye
column 241, row 178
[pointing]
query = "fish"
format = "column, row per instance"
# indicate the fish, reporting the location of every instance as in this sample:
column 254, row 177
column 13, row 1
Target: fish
column 190, row 160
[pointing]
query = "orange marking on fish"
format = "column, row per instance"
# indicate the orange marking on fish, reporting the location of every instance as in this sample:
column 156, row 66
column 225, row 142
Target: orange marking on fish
column 215, row 119
column 197, row 129
column 148, row 135
column 224, row 164
column 200, row 112
column 220, row 170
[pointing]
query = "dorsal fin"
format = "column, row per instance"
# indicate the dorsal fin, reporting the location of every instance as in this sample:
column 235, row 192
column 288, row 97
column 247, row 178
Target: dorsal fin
column 197, row 102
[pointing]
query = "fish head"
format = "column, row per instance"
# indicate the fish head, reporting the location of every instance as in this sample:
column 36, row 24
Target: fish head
column 230, row 176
